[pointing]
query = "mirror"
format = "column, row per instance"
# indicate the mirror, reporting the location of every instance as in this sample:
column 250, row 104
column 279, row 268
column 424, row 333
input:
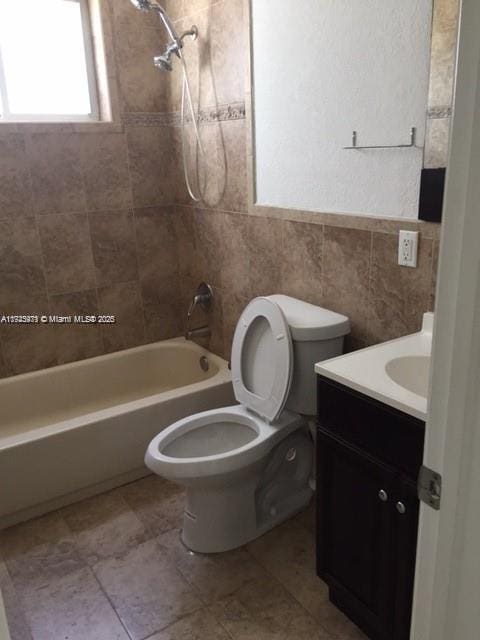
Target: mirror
column 440, row 102
column 352, row 104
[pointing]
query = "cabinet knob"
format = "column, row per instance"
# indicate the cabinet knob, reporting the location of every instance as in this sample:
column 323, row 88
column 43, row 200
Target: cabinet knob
column 383, row 495
column 401, row 508
column 291, row 455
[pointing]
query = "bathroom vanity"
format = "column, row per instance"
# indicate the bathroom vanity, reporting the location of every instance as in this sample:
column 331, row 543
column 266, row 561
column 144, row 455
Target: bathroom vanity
column 370, row 439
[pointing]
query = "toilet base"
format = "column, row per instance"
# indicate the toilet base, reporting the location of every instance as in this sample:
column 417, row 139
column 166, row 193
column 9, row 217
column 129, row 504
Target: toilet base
column 217, row 520
column 225, row 515
column 201, row 536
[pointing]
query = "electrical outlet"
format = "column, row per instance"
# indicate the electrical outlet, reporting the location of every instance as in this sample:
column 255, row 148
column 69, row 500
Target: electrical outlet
column 408, row 248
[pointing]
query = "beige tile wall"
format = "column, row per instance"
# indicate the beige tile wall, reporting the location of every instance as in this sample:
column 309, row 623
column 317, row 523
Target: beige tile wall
column 352, row 271
column 86, row 225
column 101, row 223
column 346, row 263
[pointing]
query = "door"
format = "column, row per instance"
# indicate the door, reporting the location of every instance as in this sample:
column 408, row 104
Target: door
column 448, row 563
column 355, row 533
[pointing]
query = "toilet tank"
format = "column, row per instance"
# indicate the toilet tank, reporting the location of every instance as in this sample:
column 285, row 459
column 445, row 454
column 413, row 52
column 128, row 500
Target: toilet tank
column 317, row 334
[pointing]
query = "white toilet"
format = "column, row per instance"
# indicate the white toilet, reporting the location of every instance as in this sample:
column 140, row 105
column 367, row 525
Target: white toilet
column 246, row 468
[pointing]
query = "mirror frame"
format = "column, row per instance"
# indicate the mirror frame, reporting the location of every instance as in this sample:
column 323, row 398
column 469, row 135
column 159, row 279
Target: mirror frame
column 428, row 227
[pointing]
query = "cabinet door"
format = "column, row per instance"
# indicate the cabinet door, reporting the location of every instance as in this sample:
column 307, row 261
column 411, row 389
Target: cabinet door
column 406, row 526
column 355, row 536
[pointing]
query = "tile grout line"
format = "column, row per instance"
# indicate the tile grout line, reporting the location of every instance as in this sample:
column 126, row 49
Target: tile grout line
column 193, row 588
column 65, row 292
column 322, row 265
column 199, row 11
column 100, row 586
column 20, row 592
column 95, row 275
column 277, row 580
column 370, row 288
column 172, row 222
column 186, row 615
column 208, row 605
column 282, row 245
column 91, row 569
column 134, row 218
column 220, row 624
column 17, row 593
column 42, row 259
column 35, row 217
column 286, row 214
column 3, row 360
column 40, row 244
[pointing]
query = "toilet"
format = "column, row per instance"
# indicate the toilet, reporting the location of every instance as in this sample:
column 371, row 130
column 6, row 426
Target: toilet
column 246, row 467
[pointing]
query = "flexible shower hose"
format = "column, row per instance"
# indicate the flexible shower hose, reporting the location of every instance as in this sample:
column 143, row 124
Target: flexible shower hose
column 187, row 93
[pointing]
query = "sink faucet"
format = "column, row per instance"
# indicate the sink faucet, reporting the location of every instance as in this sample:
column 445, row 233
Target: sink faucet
column 202, row 298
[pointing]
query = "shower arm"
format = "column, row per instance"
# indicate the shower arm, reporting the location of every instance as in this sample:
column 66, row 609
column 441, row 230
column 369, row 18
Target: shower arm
column 168, row 24
column 176, row 41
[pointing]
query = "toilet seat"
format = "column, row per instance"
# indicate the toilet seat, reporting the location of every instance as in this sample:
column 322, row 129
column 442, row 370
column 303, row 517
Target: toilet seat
column 163, row 459
column 225, row 440
column 262, row 359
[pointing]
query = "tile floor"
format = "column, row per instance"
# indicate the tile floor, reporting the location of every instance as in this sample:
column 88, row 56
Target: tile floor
column 113, row 568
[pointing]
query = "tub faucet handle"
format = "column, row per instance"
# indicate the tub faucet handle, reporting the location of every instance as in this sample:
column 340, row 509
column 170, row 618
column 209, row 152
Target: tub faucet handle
column 195, row 301
column 203, row 298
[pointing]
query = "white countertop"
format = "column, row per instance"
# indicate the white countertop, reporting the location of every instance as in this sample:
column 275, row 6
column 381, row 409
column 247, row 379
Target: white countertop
column 365, row 370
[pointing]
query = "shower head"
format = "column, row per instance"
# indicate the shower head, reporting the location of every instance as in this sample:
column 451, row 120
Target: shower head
column 163, row 62
column 143, row 5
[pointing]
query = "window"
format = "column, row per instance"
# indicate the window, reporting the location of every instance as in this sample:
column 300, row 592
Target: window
column 46, row 61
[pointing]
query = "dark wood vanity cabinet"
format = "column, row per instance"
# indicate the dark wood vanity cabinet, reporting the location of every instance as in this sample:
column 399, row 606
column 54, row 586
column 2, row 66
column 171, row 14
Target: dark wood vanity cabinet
column 368, row 458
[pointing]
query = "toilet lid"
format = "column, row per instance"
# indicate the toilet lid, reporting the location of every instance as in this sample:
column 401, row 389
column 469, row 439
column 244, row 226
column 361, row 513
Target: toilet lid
column 262, row 359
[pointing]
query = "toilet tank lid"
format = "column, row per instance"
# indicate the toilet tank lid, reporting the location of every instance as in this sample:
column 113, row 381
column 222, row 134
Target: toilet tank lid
column 308, row 322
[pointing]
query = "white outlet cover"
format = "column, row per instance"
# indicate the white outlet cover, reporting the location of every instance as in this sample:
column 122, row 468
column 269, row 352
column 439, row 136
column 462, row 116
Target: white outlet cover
column 408, row 248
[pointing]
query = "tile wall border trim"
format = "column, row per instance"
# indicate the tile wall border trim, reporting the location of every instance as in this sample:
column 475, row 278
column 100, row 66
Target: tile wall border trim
column 222, row 113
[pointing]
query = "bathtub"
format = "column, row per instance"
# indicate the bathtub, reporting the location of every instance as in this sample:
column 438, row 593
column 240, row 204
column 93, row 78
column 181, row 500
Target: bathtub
column 75, row 430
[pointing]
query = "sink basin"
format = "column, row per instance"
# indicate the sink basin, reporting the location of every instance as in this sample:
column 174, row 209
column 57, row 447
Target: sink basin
column 411, row 373
column 395, row 373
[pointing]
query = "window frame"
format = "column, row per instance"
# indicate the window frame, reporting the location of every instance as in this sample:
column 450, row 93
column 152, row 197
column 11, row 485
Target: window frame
column 94, row 116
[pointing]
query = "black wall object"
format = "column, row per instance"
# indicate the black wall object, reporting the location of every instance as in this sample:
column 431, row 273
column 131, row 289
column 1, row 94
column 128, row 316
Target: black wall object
column 431, row 194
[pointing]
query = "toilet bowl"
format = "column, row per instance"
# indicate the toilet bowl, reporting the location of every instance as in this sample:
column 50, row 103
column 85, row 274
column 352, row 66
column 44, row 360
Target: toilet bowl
column 216, row 442
column 218, row 456
column 246, row 467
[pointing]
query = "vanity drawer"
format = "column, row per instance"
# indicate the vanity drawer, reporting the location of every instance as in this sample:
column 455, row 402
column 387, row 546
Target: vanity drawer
column 379, row 430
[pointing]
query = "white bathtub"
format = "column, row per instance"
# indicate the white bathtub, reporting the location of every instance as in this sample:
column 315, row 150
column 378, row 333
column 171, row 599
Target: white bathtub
column 78, row 429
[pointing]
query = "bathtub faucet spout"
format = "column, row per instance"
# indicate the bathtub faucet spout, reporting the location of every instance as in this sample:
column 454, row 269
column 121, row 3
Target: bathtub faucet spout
column 201, row 332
